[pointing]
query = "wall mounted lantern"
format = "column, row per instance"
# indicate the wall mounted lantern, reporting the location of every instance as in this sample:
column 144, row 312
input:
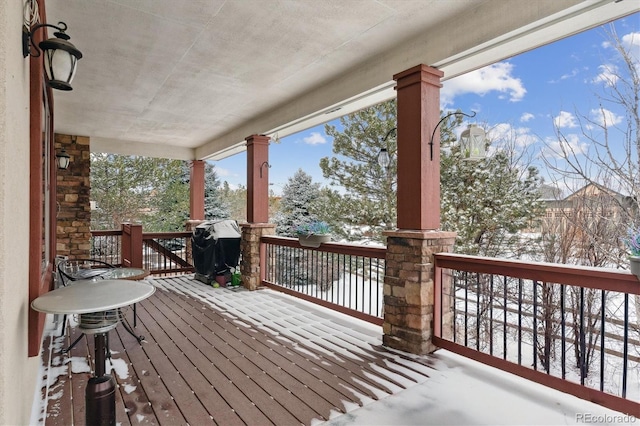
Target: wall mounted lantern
column 61, row 57
column 63, row 160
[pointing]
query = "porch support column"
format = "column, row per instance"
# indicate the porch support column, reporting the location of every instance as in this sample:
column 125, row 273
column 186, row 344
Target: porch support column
column 257, row 179
column 196, row 190
column 418, row 175
column 253, row 253
column 409, row 276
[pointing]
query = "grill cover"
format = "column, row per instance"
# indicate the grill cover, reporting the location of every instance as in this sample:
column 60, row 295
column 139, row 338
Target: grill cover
column 215, row 248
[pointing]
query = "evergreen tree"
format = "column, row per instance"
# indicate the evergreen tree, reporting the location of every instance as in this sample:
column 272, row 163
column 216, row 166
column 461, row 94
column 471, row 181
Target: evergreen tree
column 215, row 206
column 169, row 200
column 134, row 189
column 486, row 202
column 298, row 204
column 368, row 204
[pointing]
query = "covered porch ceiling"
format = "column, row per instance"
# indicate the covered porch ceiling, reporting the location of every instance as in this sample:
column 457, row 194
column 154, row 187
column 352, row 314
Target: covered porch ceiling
column 192, row 79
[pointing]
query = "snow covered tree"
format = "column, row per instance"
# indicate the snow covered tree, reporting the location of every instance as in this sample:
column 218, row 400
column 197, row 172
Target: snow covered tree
column 368, row 205
column 487, row 202
column 298, row 205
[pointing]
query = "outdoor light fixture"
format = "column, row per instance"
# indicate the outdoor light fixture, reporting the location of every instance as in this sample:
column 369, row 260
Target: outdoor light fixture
column 472, row 143
column 61, row 57
column 440, row 122
column 266, row 163
column 383, row 156
column 63, row 159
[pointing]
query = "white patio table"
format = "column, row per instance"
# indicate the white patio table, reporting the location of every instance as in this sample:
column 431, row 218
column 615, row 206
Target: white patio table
column 97, row 303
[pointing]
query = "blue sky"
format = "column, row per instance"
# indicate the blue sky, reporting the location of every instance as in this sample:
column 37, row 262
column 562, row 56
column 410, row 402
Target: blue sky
column 523, row 96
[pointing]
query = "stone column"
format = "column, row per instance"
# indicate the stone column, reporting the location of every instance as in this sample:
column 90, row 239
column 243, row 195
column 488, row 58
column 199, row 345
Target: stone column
column 409, row 289
column 252, row 254
column 73, row 216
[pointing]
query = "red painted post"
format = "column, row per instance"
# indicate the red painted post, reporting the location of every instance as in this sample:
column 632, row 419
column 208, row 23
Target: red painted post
column 131, row 245
column 196, row 190
column 418, row 174
column 257, row 179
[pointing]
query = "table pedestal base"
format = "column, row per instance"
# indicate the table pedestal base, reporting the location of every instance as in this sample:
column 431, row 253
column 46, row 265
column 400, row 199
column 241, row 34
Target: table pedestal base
column 100, row 395
column 100, row 400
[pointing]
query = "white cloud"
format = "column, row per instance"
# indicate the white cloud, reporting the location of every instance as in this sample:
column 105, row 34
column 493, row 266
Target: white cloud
column 604, row 117
column 527, row 116
column 221, row 172
column 608, row 75
column 495, row 77
column 631, row 43
column 314, row 138
column 570, row 145
column 505, row 133
column 565, row 119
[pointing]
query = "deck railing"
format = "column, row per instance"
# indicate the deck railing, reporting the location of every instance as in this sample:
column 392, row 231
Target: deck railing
column 575, row 329
column 343, row 277
column 161, row 253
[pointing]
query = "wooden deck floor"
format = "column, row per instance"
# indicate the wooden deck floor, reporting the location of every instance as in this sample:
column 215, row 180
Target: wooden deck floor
column 230, row 357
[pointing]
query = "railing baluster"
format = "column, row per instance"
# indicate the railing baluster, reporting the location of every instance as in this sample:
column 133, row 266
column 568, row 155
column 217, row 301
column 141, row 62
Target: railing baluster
column 504, row 324
column 454, row 302
column 625, row 347
column 602, row 333
column 520, row 321
column 535, row 324
column 563, row 344
column 466, row 309
column 583, row 343
column 478, row 311
column 491, row 314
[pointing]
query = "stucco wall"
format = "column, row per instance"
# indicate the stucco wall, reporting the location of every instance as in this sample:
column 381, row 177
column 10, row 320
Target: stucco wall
column 17, row 371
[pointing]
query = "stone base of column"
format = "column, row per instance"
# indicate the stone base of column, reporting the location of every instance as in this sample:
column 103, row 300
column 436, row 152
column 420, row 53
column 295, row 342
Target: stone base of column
column 409, row 288
column 250, row 251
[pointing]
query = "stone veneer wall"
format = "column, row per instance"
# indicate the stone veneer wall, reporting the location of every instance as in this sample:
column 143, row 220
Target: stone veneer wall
column 73, row 198
column 409, row 289
column 250, row 251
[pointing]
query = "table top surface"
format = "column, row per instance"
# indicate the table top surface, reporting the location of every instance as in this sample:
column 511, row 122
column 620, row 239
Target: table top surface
column 110, row 273
column 93, row 296
column 125, row 273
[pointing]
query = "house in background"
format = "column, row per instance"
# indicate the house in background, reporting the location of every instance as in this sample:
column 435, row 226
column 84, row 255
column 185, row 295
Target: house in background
column 203, row 80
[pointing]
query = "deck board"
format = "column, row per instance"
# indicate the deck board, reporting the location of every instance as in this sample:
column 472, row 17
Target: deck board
column 231, row 357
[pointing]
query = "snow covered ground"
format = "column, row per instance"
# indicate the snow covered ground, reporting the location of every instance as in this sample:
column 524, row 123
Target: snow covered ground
column 465, row 392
